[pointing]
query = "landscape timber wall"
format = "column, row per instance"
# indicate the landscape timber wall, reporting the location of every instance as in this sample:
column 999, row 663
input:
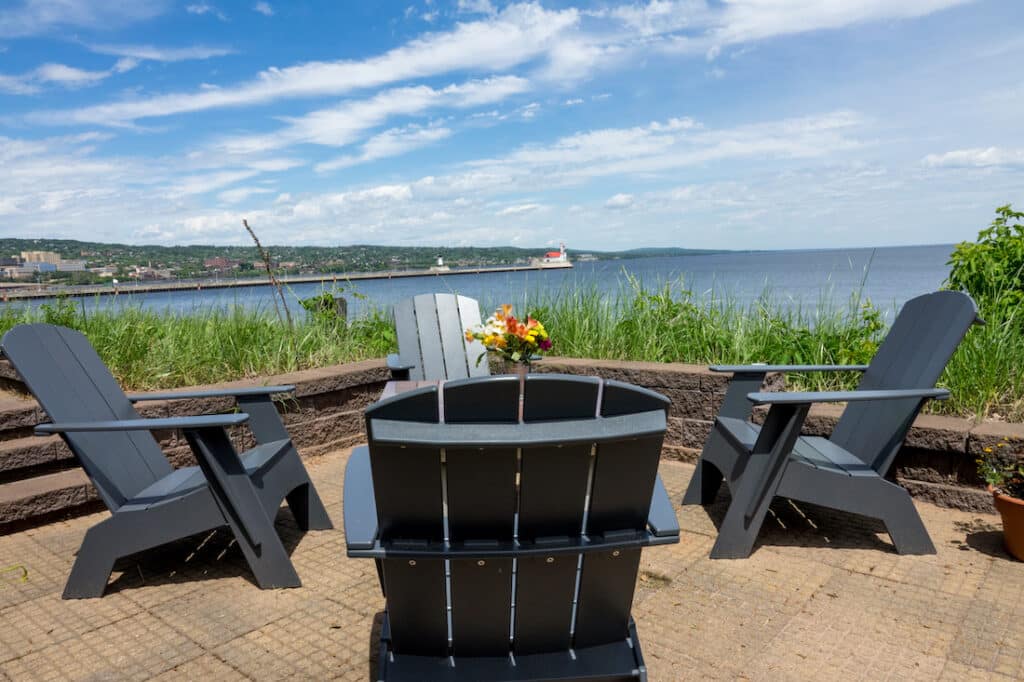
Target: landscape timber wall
column 40, row 480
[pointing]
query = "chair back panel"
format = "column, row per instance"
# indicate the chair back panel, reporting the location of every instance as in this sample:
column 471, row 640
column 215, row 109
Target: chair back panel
column 431, row 337
column 71, row 383
column 915, row 352
column 493, row 495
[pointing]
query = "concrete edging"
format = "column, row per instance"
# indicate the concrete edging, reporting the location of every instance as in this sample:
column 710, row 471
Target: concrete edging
column 40, row 480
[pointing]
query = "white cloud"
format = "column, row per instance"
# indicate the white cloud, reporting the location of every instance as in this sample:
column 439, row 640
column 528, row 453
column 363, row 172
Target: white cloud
column 201, row 184
column 68, row 75
column 393, row 142
column 346, row 123
column 748, row 20
column 518, row 34
column 35, row 17
column 573, row 101
column 161, row 54
column 619, row 202
column 60, row 74
column 17, row 85
column 203, row 8
column 977, row 158
column 240, row 194
column 519, row 209
column 476, row 7
column 263, row 8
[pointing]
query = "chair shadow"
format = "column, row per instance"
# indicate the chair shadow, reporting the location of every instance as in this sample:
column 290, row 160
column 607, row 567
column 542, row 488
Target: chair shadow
column 800, row 524
column 211, row 555
column 982, row 536
column 375, row 632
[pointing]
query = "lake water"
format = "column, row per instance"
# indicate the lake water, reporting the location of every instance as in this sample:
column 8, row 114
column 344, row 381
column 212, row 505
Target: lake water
column 808, row 279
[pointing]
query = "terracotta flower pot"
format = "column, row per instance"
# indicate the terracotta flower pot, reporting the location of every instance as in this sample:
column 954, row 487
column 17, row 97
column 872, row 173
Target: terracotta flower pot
column 1012, row 511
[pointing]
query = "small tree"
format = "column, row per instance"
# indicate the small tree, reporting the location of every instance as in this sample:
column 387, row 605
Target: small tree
column 992, row 268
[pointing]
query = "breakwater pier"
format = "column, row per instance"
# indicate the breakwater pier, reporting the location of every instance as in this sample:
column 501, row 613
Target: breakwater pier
column 35, row 291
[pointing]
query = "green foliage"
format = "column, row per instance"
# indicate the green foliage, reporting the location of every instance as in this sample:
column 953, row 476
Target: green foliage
column 60, row 311
column 992, row 269
column 150, row 350
column 1002, row 470
column 667, row 324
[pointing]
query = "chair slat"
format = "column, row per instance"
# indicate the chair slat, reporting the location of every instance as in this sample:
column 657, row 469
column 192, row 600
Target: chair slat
column 417, row 605
column 476, row 358
column 606, row 594
column 430, row 336
column 408, row 338
column 544, row 595
column 452, row 335
column 481, row 607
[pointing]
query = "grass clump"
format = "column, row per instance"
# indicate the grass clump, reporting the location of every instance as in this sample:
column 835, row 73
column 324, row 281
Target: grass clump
column 150, row 350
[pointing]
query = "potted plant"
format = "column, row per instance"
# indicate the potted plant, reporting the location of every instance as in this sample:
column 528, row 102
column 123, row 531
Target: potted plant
column 1004, row 474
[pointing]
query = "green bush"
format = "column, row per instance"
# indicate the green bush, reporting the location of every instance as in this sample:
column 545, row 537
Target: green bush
column 991, row 269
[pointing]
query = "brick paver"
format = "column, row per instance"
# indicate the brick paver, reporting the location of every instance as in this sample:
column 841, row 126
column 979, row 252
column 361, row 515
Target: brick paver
column 822, row 597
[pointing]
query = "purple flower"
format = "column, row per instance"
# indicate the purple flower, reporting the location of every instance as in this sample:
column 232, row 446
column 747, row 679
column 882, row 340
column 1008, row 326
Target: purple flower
column 544, row 344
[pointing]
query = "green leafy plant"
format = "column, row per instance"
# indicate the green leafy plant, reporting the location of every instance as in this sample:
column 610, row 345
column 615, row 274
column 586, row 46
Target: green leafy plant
column 991, row 269
column 1002, row 470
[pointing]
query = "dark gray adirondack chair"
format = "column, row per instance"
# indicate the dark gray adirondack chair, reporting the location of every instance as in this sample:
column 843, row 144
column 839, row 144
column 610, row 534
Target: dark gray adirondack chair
column 845, row 471
column 431, row 330
column 151, row 502
column 489, row 580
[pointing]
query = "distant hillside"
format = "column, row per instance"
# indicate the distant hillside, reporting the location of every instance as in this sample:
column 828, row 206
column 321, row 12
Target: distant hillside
column 188, row 261
column 665, row 251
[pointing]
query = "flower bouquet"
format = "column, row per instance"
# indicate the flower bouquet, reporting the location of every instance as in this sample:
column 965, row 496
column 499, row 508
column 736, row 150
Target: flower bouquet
column 513, row 340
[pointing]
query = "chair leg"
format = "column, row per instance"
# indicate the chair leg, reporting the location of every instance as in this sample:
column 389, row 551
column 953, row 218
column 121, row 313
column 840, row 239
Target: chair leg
column 754, row 490
column 308, row 509
column 904, row 524
column 93, row 565
column 704, row 485
column 737, row 535
column 269, row 562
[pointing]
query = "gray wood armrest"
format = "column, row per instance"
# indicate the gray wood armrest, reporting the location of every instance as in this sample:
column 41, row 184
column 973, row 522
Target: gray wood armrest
column 360, row 505
column 798, row 398
column 185, row 423
column 746, row 369
column 242, row 391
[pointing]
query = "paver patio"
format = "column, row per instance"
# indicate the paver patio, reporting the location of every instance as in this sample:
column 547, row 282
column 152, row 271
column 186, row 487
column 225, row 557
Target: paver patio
column 823, row 596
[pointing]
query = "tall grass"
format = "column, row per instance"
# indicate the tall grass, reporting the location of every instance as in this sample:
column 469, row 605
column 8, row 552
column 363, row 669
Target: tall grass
column 147, row 350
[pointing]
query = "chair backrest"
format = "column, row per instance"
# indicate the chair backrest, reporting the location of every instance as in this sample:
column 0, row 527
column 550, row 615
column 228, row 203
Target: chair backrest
column 542, row 495
column 431, row 330
column 916, row 350
column 67, row 377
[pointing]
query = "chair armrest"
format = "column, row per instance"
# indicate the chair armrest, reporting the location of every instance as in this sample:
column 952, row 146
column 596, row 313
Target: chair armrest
column 241, row 391
column 360, row 506
column 797, row 398
column 736, row 369
column 395, row 363
column 662, row 517
column 167, row 423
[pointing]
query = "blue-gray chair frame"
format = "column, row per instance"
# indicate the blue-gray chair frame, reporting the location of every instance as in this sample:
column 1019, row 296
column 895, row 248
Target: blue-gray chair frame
column 847, row 470
column 435, row 501
column 151, row 503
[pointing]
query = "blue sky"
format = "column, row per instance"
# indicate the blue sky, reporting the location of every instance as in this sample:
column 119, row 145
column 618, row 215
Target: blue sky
column 609, row 125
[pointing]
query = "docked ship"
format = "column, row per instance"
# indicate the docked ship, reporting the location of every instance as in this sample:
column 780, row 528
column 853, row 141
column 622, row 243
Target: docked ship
column 552, row 260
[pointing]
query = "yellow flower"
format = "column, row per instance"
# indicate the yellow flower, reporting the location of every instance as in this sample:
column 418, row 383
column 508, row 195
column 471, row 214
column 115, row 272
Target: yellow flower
column 988, row 450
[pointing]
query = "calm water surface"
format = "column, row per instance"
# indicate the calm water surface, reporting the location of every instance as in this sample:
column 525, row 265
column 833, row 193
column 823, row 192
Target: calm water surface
column 805, row 279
